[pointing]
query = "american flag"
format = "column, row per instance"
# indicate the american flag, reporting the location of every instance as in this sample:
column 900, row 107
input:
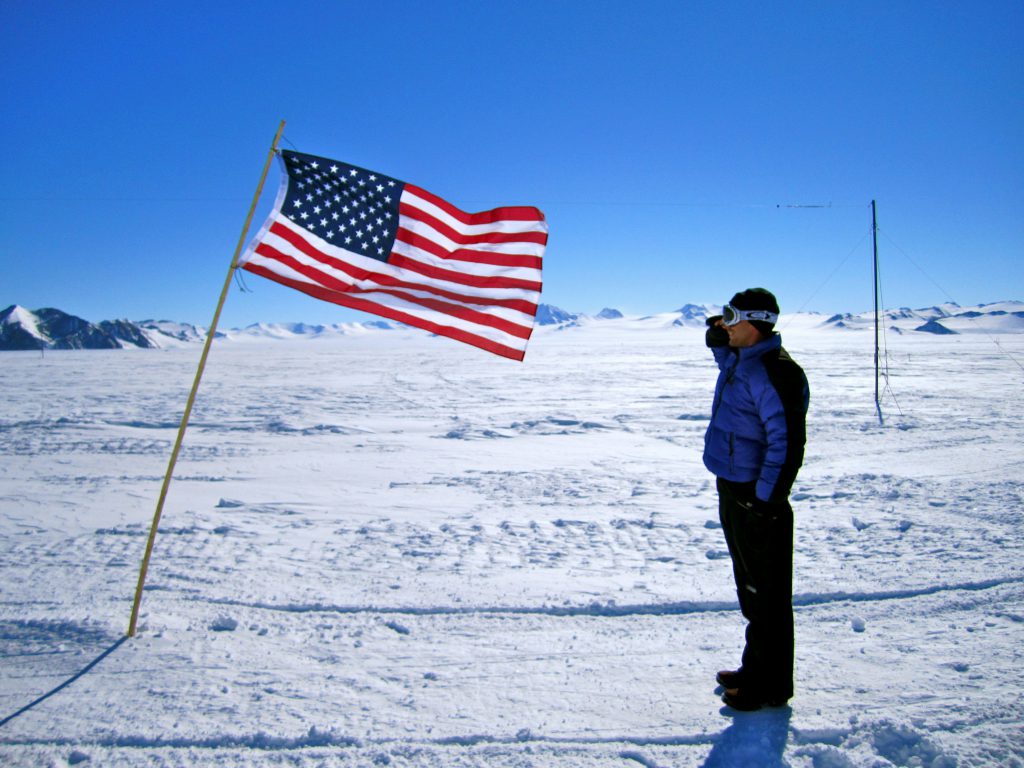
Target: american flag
column 367, row 241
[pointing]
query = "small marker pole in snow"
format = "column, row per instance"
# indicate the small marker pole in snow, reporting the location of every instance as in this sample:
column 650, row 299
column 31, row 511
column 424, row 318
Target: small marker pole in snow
column 195, row 388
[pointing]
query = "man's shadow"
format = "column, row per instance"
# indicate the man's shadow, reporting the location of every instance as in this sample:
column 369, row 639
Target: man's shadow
column 754, row 740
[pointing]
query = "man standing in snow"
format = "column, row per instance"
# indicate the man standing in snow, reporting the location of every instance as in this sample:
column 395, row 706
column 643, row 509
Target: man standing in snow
column 755, row 445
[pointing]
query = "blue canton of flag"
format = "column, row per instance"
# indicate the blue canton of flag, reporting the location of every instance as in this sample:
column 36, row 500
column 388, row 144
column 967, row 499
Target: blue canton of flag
column 343, row 204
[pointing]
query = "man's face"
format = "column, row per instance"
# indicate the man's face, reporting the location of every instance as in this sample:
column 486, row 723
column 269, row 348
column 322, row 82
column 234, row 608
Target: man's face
column 743, row 334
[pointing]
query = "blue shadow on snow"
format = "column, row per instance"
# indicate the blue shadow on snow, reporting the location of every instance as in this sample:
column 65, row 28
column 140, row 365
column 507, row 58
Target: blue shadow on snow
column 66, row 683
column 754, row 740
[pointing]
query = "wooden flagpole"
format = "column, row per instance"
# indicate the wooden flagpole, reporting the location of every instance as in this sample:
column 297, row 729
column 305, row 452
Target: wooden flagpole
column 195, row 387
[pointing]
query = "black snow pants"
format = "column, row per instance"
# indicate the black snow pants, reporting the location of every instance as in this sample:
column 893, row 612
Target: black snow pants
column 760, row 540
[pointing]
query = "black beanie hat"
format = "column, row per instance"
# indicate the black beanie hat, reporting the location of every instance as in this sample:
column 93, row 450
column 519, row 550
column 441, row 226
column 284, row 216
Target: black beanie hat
column 757, row 298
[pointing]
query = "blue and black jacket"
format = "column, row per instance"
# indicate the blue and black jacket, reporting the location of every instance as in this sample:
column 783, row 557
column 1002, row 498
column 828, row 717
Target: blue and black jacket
column 757, row 430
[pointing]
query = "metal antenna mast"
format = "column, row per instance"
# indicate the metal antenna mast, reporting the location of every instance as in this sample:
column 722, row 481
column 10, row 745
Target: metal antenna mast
column 874, row 242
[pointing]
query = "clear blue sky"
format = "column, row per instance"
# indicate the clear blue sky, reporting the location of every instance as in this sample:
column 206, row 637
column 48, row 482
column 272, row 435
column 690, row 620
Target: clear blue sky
column 660, row 138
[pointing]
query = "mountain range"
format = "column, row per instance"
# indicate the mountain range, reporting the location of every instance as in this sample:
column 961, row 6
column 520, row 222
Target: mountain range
column 48, row 328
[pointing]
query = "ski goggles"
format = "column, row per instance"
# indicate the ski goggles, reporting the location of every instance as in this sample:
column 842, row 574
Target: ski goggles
column 732, row 316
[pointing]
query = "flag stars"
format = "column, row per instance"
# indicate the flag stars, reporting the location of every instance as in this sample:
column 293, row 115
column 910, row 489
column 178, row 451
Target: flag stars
column 347, row 206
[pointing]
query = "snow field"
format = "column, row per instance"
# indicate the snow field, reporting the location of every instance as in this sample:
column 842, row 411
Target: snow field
column 393, row 550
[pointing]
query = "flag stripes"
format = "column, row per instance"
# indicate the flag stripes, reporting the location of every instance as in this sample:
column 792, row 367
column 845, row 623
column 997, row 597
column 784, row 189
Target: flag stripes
column 408, row 313
column 459, row 307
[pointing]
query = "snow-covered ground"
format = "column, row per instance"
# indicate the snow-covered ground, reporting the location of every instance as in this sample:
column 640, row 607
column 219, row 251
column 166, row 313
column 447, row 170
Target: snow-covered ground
column 389, row 549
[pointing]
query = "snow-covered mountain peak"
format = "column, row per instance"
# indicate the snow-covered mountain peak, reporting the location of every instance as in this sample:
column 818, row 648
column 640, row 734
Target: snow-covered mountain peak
column 16, row 315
